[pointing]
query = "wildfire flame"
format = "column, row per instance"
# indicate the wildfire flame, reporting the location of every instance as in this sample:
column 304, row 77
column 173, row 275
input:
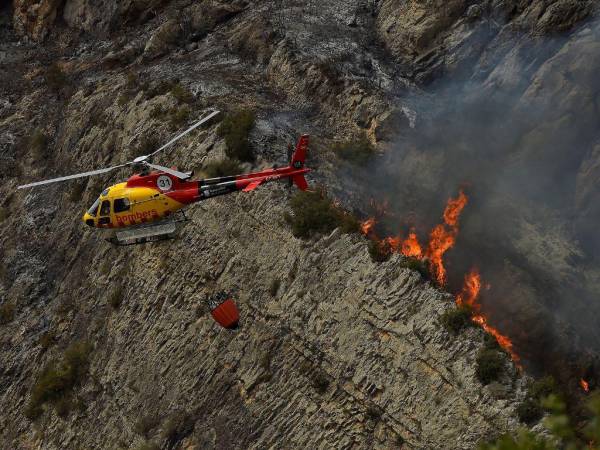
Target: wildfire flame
column 442, row 239
column 469, row 296
column 584, row 385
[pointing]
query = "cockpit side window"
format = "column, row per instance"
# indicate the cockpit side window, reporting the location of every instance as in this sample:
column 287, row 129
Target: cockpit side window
column 104, row 193
column 121, row 204
column 94, row 209
column 105, row 208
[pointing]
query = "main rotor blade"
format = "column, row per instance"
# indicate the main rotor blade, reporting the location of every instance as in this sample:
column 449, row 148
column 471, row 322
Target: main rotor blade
column 179, row 136
column 175, row 173
column 71, row 177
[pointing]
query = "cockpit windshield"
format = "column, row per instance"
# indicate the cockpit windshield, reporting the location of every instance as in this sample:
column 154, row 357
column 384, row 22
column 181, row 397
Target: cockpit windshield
column 94, row 209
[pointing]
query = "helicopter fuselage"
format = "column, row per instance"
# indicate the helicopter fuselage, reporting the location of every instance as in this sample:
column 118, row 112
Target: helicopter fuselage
column 154, row 196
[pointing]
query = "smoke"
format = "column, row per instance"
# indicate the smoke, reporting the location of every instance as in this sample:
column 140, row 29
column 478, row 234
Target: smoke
column 521, row 135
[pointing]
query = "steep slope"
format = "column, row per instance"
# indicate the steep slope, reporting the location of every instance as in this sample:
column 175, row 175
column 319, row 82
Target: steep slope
column 342, row 352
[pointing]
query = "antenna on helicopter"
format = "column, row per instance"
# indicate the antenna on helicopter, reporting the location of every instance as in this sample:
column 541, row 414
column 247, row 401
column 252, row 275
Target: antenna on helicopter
column 142, row 161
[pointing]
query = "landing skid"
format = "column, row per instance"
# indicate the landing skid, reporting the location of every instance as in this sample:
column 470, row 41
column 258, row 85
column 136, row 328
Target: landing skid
column 151, row 232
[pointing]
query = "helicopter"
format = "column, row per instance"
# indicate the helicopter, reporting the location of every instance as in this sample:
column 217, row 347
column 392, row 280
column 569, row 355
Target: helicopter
column 149, row 205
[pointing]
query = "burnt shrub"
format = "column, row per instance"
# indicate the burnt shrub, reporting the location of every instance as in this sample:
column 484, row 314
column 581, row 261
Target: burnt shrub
column 38, row 144
column 4, row 214
column 55, row 78
column 356, row 152
column 7, row 313
column 274, row 287
column 47, row 340
column 379, row 251
column 457, row 319
column 58, row 379
column 317, row 377
column 529, row 411
column 76, row 192
column 314, row 212
column 235, row 129
column 221, row 168
column 490, row 365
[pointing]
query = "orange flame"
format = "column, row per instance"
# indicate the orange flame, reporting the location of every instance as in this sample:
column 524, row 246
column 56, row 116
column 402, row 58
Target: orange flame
column 411, row 246
column 443, row 237
column 469, row 296
column 367, row 226
column 584, row 385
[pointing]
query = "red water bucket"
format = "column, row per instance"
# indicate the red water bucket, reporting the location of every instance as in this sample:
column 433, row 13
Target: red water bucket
column 226, row 314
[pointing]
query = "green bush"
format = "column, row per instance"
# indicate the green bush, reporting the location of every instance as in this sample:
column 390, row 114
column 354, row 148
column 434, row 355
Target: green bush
column 177, row 426
column 530, row 410
column 116, row 297
column 221, row 168
column 235, row 129
column 457, row 319
column 178, row 117
column 55, row 78
column 146, row 424
column 182, row 94
column 148, row 446
column 314, row 212
column 356, row 152
column 57, row 380
column 379, row 251
column 415, row 264
column 562, row 432
column 490, row 364
column 7, row 313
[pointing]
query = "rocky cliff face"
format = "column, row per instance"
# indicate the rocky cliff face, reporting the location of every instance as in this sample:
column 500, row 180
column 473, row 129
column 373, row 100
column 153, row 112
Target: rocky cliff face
column 335, row 351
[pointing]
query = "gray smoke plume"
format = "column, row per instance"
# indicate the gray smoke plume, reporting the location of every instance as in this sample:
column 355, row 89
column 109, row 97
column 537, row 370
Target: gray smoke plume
column 521, row 133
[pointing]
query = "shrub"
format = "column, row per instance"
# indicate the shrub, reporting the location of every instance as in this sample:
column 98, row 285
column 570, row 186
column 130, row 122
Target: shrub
column 178, row 426
column 314, row 212
column 235, row 129
column 55, row 78
column 379, row 250
column 373, row 414
column 222, row 168
column 76, row 191
column 7, row 313
column 116, row 297
column 47, row 340
column 146, row 424
column 356, row 152
column 148, row 446
column 490, row 342
column 415, row 264
column 490, row 364
column 544, row 387
column 529, row 411
column 57, row 380
column 457, row 319
column 317, row 377
column 274, row 287
column 179, row 116
column 3, row 214
column 38, row 143
column 182, row 94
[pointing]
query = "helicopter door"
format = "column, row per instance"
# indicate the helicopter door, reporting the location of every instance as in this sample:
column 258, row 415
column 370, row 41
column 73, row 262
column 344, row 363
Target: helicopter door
column 104, row 213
